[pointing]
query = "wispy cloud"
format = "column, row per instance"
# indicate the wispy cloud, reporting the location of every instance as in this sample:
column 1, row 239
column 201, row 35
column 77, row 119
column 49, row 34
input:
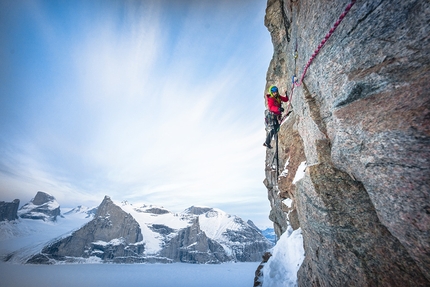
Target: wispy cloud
column 148, row 106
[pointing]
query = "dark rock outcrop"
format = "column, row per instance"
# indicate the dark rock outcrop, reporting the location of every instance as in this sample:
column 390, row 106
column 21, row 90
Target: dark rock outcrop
column 252, row 224
column 156, row 210
column 42, row 207
column 259, row 271
column 113, row 235
column 243, row 242
column 244, row 249
column 191, row 245
column 161, row 229
column 9, row 210
column 361, row 121
column 196, row 210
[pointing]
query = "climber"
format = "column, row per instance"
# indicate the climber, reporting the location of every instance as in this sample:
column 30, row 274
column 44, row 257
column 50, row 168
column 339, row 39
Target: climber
column 273, row 113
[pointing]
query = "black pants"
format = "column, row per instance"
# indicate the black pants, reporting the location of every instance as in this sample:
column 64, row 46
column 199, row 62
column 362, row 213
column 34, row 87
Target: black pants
column 273, row 131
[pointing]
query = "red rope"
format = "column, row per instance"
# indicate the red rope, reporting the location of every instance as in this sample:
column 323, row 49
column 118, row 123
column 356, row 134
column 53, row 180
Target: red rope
column 317, row 50
column 327, row 36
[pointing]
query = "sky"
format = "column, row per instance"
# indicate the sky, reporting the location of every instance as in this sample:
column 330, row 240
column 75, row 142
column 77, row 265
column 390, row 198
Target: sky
column 158, row 102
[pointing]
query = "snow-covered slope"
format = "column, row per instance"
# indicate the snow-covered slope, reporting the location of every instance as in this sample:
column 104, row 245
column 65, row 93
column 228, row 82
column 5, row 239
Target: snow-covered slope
column 157, row 224
column 87, row 212
column 196, row 235
column 43, row 206
column 231, row 232
column 20, row 239
column 287, row 256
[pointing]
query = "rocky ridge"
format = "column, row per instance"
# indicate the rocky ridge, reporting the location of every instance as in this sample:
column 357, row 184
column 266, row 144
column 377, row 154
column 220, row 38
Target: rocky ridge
column 123, row 233
column 361, row 124
column 113, row 235
column 43, row 207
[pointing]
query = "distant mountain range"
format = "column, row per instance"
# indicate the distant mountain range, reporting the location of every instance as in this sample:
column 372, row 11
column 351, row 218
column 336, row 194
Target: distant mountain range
column 89, row 212
column 270, row 234
column 121, row 232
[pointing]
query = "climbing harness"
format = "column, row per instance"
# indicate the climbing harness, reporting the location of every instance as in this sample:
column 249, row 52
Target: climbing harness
column 317, row 50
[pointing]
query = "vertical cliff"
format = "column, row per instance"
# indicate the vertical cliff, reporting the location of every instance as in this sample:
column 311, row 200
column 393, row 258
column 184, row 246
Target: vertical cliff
column 113, row 236
column 9, row 210
column 361, row 122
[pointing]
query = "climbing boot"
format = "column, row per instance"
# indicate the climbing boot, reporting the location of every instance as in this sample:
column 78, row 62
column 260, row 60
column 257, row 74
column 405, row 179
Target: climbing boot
column 267, row 145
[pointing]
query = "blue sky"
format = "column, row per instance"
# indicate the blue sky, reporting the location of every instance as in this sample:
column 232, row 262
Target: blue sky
column 158, row 102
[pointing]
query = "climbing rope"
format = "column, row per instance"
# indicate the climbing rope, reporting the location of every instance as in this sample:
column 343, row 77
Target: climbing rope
column 327, row 36
column 317, row 50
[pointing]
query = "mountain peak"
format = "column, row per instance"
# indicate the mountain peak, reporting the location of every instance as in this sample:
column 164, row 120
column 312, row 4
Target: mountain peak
column 43, row 206
column 197, row 210
column 42, row 198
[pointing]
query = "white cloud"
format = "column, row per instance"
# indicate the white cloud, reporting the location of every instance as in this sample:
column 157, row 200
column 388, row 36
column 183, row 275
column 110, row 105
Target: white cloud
column 140, row 116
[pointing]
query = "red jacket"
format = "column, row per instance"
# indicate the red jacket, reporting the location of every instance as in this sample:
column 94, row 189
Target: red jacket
column 274, row 105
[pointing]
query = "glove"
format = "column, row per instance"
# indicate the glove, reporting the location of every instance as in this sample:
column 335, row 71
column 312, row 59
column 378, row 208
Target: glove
column 281, row 110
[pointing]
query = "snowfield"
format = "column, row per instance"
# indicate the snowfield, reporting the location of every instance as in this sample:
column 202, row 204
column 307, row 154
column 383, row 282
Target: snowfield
column 28, row 236
column 287, row 257
column 153, row 240
column 129, row 275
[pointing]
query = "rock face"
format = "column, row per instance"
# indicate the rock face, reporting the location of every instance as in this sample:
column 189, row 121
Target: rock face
column 212, row 236
column 191, row 245
column 43, row 206
column 258, row 272
column 113, row 236
column 9, row 210
column 361, row 122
